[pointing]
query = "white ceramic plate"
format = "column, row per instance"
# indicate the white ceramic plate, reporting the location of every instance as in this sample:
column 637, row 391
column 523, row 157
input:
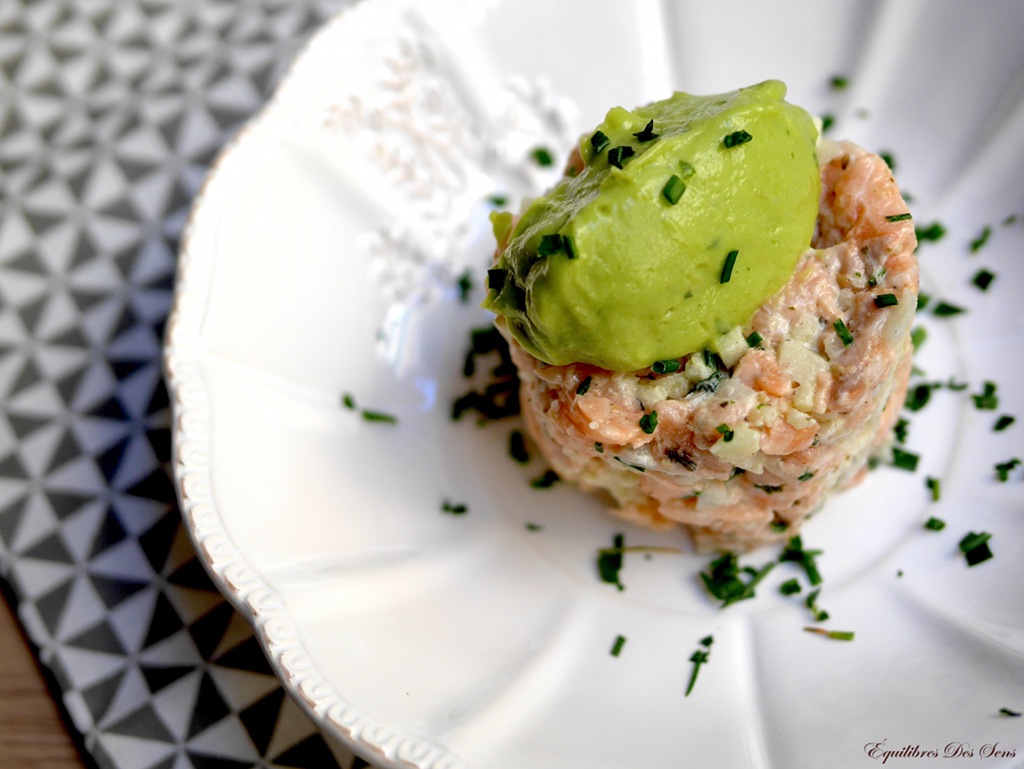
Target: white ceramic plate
column 322, row 260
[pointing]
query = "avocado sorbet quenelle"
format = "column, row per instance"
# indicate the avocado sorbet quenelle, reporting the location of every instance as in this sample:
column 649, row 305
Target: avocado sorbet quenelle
column 710, row 314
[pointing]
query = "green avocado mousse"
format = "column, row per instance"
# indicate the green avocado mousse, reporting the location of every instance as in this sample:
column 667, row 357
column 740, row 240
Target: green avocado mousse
column 686, row 216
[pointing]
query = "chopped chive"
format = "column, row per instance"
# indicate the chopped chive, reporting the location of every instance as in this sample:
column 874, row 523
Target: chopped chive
column 618, row 155
column 917, row 336
column 583, row 386
column 649, row 422
column 918, row 396
column 811, row 602
column 736, row 138
column 724, row 582
column 453, row 508
column 517, row 447
column 974, row 546
column 673, row 189
column 754, row 339
column 348, row 401
column 599, row 142
column 464, row 285
column 533, row 526
column 838, row 82
column 934, row 486
column 790, row 587
column 498, row 201
column 922, row 300
column 900, row 430
column 889, row 159
column 549, row 244
column 904, row 217
column 1010, row 713
column 945, row 309
column 730, row 262
column 496, row 278
column 934, row 231
column 983, row 279
column 843, row 331
column 1003, row 422
column 806, row 476
column 609, row 561
column 542, row 156
column 1003, row 469
column 886, row 300
column 620, row 641
column 570, row 246
column 986, row 400
column 835, row 635
column 935, row 524
column 545, row 481
column 876, row 277
column 378, row 416
column 727, row 434
column 904, row 460
column 669, row 366
column 647, row 134
column 795, row 552
column 981, row 240
column 827, row 121
column 698, row 658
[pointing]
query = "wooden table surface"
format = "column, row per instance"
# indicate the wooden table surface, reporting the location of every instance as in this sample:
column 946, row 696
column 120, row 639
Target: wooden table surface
column 32, row 734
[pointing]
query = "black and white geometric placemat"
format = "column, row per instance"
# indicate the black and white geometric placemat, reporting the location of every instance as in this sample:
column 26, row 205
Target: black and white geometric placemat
column 110, row 114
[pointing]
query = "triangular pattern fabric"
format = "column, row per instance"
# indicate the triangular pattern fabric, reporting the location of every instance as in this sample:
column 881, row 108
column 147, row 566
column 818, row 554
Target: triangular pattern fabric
column 110, row 114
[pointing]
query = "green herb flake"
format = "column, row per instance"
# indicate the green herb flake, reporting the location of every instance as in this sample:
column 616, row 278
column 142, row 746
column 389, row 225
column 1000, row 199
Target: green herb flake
column 620, row 641
column 669, row 366
column 935, row 524
column 974, row 546
column 835, row 635
column 904, row 460
column 876, row 277
column 726, row 433
column 934, row 486
column 1003, row 422
column 918, row 335
column 549, row 244
column 609, row 561
column 724, row 581
column 904, row 217
column 348, row 401
column 934, row 231
column 698, row 658
column 464, row 285
column 983, row 279
column 619, row 155
column 533, row 526
column 517, row 447
column 843, row 332
column 900, row 430
column 647, row 134
column 839, row 83
column 754, row 339
column 981, row 240
column 736, row 138
column 827, row 121
column 497, row 201
column 790, row 587
column 673, row 189
column 794, row 552
column 649, row 422
column 454, row 508
column 599, row 142
column 582, row 387
column 918, row 396
column 545, row 481
column 730, row 262
column 542, row 157
column 886, row 300
column 570, row 246
column 811, row 602
column 1003, row 469
column 986, row 400
column 1009, row 713
column 889, row 159
column 806, row 476
column 378, row 416
column 946, row 309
